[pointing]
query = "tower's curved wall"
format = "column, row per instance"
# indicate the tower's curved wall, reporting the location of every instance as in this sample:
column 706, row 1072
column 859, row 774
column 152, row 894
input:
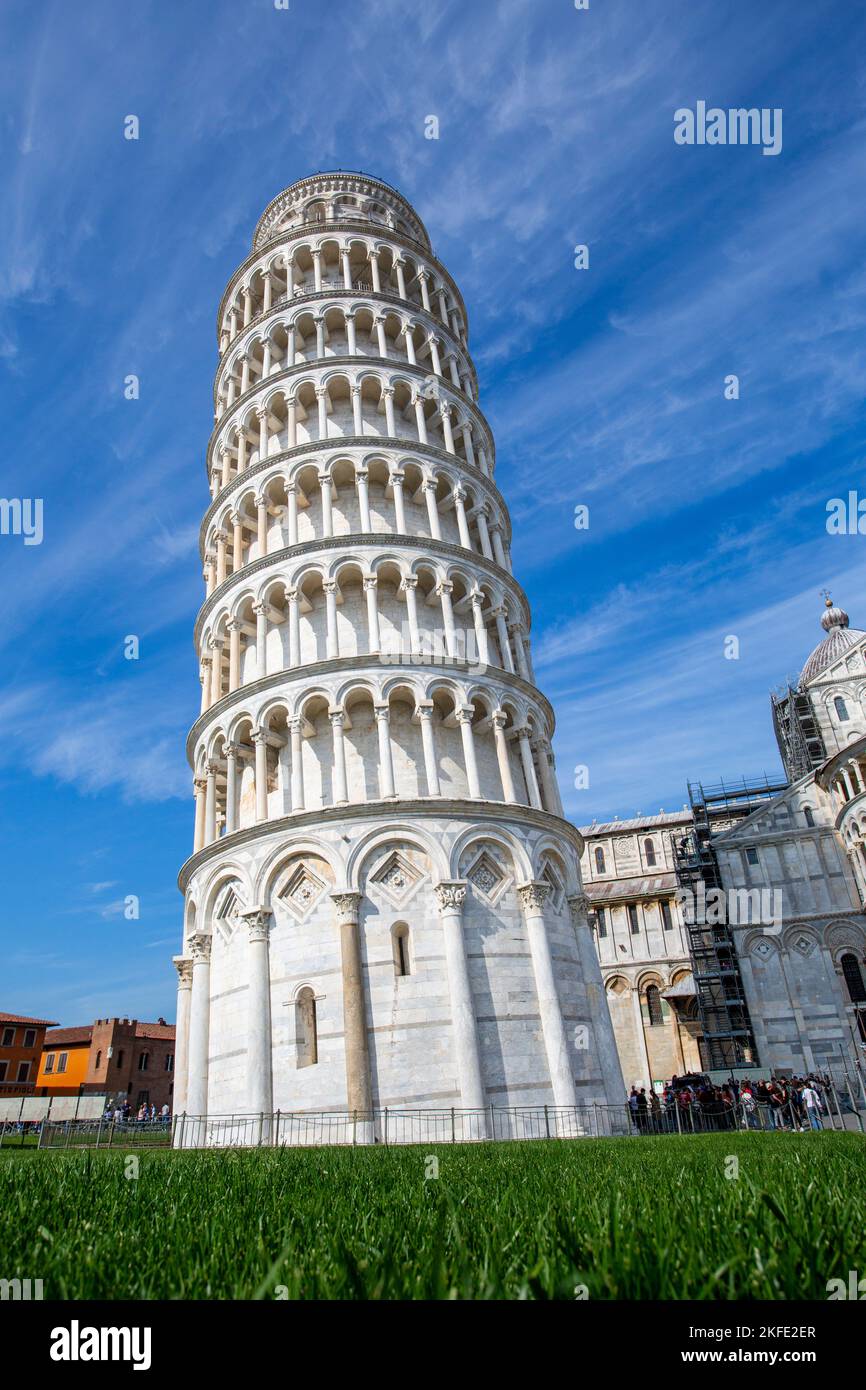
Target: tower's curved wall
column 383, row 906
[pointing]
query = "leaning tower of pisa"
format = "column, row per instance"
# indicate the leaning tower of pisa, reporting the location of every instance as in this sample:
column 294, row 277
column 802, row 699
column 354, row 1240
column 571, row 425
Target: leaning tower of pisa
column 383, row 905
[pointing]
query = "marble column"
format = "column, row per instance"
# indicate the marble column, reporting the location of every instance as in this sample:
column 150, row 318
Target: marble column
column 181, row 1034
column 359, row 1090
column 260, row 1094
column 199, row 947
column 450, row 897
column 532, row 897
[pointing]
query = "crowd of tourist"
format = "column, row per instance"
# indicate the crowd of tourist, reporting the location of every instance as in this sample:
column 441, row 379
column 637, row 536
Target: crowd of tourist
column 145, row 1114
column 797, row 1103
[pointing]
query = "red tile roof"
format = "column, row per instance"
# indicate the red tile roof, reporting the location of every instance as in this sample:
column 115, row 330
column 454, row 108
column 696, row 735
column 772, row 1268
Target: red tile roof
column 20, row 1018
column 154, row 1030
column 60, row 1037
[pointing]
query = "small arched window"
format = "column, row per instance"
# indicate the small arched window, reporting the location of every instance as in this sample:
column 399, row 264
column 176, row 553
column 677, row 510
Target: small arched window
column 98, row 1060
column 841, row 709
column 599, row 860
column 400, row 939
column 853, row 978
column 307, row 1033
column 649, row 850
column 654, row 1006
column 808, row 816
column 120, row 1058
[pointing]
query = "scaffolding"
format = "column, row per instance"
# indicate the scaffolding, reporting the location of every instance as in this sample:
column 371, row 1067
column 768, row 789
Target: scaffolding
column 797, row 733
column 728, row 1039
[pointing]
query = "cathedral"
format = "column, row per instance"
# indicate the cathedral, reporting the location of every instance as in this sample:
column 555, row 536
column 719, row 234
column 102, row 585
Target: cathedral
column 383, row 906
column 773, row 979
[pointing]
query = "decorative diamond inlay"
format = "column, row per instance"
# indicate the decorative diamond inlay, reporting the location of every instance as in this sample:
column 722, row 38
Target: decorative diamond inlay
column 397, row 878
column 487, row 877
column 805, row 945
column 228, row 909
column 301, row 891
column 557, row 887
column 762, row 949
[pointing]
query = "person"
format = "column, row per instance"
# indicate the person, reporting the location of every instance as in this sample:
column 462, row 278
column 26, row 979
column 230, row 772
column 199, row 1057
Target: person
column 164, row 1113
column 812, row 1106
column 749, row 1107
column 632, row 1106
column 642, row 1110
column 656, row 1112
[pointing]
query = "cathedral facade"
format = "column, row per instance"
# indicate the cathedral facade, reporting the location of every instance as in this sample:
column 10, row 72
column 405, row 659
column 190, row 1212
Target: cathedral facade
column 732, row 936
column 383, row 907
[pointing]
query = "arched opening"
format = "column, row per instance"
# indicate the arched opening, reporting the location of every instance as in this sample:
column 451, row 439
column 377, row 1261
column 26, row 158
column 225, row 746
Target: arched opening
column 400, row 941
column 306, row 1034
column 655, row 1016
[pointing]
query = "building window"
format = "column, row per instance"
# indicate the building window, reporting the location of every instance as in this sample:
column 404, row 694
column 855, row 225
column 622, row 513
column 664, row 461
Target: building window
column 654, row 1006
column 23, row 1071
column 62, row 1061
column 308, row 1041
column 98, row 1062
column 854, row 979
column 49, row 1063
column 601, row 922
column 649, row 850
column 841, row 709
column 633, row 919
column 120, row 1058
column 8, row 1037
column 3, row 1066
column 599, row 860
column 169, row 1061
column 808, row 816
column 29, row 1037
column 667, row 918
column 400, row 944
column 751, row 856
column 142, row 1061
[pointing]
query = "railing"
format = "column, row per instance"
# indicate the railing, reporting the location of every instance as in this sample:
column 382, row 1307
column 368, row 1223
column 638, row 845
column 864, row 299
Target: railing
column 399, row 1125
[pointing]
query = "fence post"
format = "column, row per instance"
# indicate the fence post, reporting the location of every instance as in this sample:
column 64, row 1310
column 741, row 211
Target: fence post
column 386, row 1125
column 546, row 1122
column 492, row 1121
column 354, row 1128
column 99, row 1131
column 277, row 1130
column 853, row 1101
column 452, row 1125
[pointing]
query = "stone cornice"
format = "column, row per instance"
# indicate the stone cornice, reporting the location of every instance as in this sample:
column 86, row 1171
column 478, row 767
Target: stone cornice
column 339, row 291
column 363, row 442
column 427, row 808
column 368, row 364
column 317, row 231
column 368, row 661
column 361, row 541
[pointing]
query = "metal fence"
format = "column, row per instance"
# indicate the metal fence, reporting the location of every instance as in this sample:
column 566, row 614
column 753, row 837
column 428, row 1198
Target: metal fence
column 390, row 1126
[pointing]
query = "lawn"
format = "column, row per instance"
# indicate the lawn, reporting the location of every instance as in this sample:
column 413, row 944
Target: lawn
column 715, row 1216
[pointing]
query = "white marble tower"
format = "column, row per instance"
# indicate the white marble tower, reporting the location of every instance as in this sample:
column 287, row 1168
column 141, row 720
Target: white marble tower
column 383, row 906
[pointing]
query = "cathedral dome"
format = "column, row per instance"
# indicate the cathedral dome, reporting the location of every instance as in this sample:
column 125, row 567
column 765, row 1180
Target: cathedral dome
column 840, row 638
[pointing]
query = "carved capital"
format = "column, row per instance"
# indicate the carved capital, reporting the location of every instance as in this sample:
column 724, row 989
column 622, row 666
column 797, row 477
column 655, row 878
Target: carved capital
column 370, row 583
column 532, row 897
column 578, row 906
column 183, row 966
column 450, row 896
column 258, row 920
column 347, row 905
column 199, row 948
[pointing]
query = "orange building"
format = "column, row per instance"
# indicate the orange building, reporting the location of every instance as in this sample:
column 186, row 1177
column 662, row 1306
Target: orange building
column 64, row 1064
column 121, row 1058
column 21, row 1042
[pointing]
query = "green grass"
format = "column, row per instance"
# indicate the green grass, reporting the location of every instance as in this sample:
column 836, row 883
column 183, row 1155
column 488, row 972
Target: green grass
column 636, row 1219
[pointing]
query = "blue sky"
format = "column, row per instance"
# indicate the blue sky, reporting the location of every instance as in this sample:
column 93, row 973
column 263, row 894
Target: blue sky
column 604, row 387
